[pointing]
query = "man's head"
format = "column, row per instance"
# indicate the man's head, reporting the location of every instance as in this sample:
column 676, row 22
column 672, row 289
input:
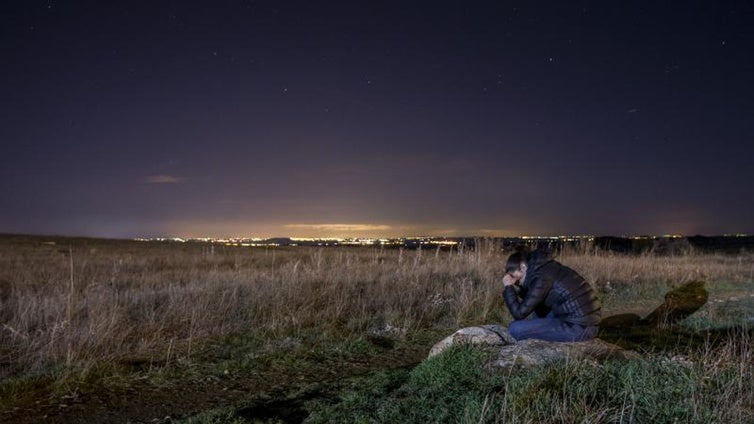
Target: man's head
column 517, row 265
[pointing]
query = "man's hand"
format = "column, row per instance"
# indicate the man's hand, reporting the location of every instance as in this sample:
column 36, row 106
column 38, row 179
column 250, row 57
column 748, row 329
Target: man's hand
column 508, row 280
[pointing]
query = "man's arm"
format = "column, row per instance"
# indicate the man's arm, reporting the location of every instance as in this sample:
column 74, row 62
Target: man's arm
column 536, row 294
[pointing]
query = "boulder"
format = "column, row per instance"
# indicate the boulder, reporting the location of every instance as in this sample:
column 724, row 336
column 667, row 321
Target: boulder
column 489, row 335
column 532, row 352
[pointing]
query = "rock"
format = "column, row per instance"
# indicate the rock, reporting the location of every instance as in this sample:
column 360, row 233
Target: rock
column 532, row 352
column 490, row 335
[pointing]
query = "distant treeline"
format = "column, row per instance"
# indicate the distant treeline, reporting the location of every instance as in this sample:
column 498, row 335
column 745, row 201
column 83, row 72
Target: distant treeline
column 676, row 245
column 637, row 245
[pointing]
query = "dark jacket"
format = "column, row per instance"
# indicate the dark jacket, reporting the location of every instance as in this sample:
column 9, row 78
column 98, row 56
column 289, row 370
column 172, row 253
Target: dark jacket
column 552, row 287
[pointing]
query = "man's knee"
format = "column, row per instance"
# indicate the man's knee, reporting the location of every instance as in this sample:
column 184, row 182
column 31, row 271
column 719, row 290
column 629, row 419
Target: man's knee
column 516, row 329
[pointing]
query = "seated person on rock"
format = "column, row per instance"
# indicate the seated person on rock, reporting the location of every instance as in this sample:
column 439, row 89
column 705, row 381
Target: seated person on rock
column 559, row 304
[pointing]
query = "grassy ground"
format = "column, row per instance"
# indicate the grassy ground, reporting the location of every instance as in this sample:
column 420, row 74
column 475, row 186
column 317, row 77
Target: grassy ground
column 93, row 329
column 455, row 387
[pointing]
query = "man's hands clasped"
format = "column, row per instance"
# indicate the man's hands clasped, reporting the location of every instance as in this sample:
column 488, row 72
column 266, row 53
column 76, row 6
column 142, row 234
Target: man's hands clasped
column 509, row 280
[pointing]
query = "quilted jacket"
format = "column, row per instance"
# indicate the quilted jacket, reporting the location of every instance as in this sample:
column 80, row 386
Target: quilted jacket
column 552, row 287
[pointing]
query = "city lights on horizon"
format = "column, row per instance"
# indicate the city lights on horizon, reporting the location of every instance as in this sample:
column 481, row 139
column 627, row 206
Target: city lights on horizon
column 394, row 241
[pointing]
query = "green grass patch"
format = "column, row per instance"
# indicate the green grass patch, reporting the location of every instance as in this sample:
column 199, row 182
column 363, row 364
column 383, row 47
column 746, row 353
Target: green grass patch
column 457, row 387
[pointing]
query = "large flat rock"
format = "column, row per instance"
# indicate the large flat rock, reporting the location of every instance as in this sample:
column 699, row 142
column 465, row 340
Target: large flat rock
column 532, row 352
column 488, row 335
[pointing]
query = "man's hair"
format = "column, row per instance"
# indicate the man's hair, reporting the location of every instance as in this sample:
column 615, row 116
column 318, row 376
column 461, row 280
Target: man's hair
column 521, row 255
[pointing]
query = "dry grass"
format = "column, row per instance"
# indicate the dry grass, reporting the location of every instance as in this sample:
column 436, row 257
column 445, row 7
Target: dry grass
column 86, row 301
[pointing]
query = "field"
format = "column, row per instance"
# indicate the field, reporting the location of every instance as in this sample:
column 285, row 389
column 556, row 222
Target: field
column 115, row 331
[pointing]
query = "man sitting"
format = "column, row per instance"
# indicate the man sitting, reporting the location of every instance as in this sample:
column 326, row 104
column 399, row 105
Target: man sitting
column 565, row 308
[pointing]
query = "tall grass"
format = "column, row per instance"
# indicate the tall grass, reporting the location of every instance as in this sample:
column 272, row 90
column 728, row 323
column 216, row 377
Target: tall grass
column 82, row 302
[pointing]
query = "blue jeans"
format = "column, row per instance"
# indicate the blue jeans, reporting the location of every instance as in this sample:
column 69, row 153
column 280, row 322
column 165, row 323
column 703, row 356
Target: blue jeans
column 551, row 329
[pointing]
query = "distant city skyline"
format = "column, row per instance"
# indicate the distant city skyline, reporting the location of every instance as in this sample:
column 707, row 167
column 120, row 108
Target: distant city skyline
column 347, row 119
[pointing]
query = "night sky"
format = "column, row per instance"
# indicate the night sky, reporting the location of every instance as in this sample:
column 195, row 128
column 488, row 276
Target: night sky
column 350, row 118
